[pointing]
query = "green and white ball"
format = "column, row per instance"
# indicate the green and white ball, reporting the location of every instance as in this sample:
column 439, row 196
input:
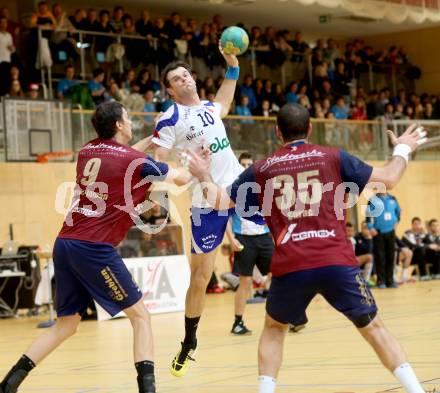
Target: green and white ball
column 234, row 41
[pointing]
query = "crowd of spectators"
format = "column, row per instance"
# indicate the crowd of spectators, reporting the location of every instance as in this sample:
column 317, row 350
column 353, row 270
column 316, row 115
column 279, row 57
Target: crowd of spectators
column 414, row 255
column 330, row 93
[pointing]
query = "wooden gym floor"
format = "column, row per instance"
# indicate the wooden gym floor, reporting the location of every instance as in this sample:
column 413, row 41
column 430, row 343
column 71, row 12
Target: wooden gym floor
column 328, row 356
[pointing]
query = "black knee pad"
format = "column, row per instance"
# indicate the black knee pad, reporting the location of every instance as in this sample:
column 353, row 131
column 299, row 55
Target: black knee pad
column 363, row 320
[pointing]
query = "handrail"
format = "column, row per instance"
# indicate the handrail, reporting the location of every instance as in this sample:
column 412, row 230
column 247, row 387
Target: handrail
column 238, row 117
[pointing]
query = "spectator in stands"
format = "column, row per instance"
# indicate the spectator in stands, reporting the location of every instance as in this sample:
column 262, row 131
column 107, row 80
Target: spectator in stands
column 243, row 110
column 33, row 91
column 149, row 106
column 382, row 228
column 404, row 257
column 303, row 98
column 432, row 245
column 399, row 113
column 409, row 112
column 91, row 22
column 117, row 23
column 14, row 74
column 291, row 96
column 300, row 47
column 258, row 89
column 15, row 90
column 134, row 102
column 67, row 82
column 339, row 109
column 6, row 48
column 96, row 87
column 78, row 19
column 280, row 100
column 246, row 89
column 145, row 82
column 103, row 42
column 209, row 85
column 267, row 92
column 428, row 113
column 144, row 26
column 341, row 80
column 326, row 90
column 45, row 19
column 61, row 40
column 388, row 116
column 265, row 110
column 13, row 28
column 359, row 112
column 374, row 107
column 413, row 239
column 133, row 55
column 165, row 47
column 173, row 28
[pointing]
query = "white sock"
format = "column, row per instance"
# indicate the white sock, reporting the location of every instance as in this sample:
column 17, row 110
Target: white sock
column 267, row 384
column 406, row 376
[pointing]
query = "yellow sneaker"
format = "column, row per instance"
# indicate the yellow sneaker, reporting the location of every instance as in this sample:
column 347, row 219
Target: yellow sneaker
column 180, row 362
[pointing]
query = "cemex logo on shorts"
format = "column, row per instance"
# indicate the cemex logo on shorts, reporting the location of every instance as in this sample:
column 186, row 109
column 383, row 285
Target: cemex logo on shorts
column 116, row 290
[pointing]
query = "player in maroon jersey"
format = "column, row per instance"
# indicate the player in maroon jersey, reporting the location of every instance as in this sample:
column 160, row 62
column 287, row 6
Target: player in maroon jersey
column 112, row 179
column 300, row 189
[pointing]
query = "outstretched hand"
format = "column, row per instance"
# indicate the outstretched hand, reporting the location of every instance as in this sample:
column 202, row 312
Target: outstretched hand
column 231, row 59
column 199, row 161
column 413, row 136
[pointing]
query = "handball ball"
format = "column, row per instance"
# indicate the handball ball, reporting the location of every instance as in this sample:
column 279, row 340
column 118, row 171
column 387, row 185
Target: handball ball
column 234, row 41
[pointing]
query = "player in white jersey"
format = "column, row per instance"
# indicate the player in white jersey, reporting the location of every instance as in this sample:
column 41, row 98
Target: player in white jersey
column 189, row 123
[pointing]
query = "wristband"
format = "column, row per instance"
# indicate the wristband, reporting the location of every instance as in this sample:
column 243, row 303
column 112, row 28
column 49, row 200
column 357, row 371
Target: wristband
column 232, row 73
column 403, row 151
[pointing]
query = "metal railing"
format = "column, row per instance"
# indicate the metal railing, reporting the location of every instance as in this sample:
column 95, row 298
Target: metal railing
column 23, row 119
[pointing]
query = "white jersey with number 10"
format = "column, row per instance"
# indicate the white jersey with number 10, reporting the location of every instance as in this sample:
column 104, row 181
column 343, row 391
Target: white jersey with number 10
column 184, row 127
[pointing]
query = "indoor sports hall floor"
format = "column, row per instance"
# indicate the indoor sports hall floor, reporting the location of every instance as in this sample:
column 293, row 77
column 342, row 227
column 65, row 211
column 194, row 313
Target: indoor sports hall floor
column 329, row 356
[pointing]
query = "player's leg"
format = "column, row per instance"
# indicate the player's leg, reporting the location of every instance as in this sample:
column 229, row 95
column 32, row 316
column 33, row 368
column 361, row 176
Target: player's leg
column 202, row 266
column 72, row 300
column 391, row 354
column 270, row 353
column 344, row 287
column 142, row 346
column 43, row 345
column 244, row 261
column 105, row 276
column 241, row 295
column 287, row 301
column 208, row 229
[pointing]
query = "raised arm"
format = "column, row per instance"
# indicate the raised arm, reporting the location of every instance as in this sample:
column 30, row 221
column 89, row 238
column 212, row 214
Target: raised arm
column 199, row 166
column 144, row 144
column 404, row 145
column 225, row 95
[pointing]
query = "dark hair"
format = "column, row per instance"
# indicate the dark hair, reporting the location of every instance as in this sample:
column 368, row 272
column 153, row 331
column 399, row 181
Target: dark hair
column 432, row 221
column 245, row 156
column 171, row 67
column 103, row 12
column 415, row 219
column 293, row 121
column 349, row 225
column 118, row 8
column 42, row 3
column 97, row 71
column 105, row 117
column 67, row 66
